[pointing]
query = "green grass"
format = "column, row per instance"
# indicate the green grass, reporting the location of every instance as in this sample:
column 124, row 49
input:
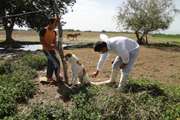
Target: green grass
column 16, row 85
column 143, row 100
column 166, row 38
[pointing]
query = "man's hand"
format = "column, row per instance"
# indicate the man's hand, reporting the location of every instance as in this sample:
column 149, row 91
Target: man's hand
column 122, row 65
column 95, row 74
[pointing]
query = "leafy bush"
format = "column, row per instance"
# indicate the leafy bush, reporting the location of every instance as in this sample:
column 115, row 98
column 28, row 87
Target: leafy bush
column 172, row 112
column 43, row 112
column 105, row 103
column 55, row 112
column 16, row 86
column 142, row 102
column 14, row 90
column 37, row 62
column 5, row 68
column 7, row 102
column 83, row 107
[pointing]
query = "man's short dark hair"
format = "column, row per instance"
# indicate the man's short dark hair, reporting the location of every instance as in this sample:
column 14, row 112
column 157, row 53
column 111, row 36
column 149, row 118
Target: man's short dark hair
column 99, row 45
column 51, row 20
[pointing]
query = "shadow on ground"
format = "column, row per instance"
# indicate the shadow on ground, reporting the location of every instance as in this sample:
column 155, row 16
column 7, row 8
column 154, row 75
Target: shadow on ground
column 151, row 89
column 67, row 91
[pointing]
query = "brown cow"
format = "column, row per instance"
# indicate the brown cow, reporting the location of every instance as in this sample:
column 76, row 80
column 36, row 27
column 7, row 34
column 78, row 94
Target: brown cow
column 73, row 36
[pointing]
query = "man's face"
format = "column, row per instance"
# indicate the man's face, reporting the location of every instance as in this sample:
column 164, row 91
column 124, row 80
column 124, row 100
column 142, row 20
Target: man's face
column 53, row 25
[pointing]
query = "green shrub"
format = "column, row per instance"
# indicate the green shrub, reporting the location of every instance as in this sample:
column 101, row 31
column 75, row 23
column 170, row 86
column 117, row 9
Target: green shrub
column 7, row 103
column 16, row 86
column 48, row 112
column 143, row 101
column 42, row 112
column 37, row 62
column 19, row 82
column 84, row 108
column 12, row 92
column 5, row 68
column 172, row 112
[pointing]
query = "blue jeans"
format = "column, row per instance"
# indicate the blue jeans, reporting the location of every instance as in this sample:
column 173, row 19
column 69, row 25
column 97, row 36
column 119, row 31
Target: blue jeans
column 53, row 65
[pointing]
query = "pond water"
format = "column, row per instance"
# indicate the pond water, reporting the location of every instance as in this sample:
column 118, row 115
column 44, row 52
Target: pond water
column 34, row 47
column 31, row 47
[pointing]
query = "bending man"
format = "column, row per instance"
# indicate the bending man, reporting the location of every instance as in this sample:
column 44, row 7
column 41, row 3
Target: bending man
column 126, row 50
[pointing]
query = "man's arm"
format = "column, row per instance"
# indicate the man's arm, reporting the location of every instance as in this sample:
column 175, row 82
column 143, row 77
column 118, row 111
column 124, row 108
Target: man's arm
column 101, row 61
column 100, row 64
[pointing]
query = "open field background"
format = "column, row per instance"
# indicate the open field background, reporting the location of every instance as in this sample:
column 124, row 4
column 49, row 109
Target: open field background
column 32, row 36
column 154, row 63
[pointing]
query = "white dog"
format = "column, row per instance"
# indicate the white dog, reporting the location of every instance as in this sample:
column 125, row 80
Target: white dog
column 78, row 70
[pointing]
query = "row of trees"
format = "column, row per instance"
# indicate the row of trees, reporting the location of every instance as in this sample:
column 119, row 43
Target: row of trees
column 36, row 20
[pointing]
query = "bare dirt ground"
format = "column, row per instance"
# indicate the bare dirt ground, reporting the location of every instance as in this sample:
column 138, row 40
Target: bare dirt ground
column 152, row 64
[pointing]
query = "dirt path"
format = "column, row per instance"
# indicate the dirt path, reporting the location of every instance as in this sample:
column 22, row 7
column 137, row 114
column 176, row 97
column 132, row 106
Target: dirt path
column 46, row 93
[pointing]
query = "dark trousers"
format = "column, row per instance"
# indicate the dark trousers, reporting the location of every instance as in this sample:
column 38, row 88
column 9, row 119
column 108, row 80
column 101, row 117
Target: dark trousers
column 53, row 64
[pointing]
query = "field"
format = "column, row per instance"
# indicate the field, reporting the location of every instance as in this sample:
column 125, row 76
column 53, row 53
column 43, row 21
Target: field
column 23, row 97
column 153, row 92
column 32, row 36
column 154, row 62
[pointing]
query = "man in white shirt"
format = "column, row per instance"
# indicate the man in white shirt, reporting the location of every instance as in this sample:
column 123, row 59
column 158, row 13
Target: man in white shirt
column 126, row 50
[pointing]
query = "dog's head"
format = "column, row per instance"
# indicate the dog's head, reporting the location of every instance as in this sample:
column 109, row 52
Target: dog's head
column 71, row 58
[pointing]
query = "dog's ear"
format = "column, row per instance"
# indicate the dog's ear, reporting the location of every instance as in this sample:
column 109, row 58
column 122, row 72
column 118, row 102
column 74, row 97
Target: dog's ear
column 68, row 55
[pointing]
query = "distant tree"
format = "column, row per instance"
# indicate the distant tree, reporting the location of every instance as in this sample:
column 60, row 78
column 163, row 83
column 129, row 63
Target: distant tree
column 36, row 20
column 78, row 30
column 103, row 31
column 69, row 30
column 144, row 16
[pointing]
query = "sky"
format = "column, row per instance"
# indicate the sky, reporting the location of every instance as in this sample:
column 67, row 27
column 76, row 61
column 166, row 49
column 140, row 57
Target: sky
column 98, row 15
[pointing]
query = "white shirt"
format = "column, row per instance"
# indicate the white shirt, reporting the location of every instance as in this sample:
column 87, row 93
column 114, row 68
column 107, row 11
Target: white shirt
column 121, row 46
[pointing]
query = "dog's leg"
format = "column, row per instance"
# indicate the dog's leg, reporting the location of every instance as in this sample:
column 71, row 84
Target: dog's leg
column 84, row 79
column 81, row 80
column 73, row 79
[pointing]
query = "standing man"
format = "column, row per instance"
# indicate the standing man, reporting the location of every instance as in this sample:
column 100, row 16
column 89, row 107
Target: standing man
column 48, row 41
column 126, row 50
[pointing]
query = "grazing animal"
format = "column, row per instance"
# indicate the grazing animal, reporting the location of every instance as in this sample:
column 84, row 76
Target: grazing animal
column 73, row 36
column 78, row 70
